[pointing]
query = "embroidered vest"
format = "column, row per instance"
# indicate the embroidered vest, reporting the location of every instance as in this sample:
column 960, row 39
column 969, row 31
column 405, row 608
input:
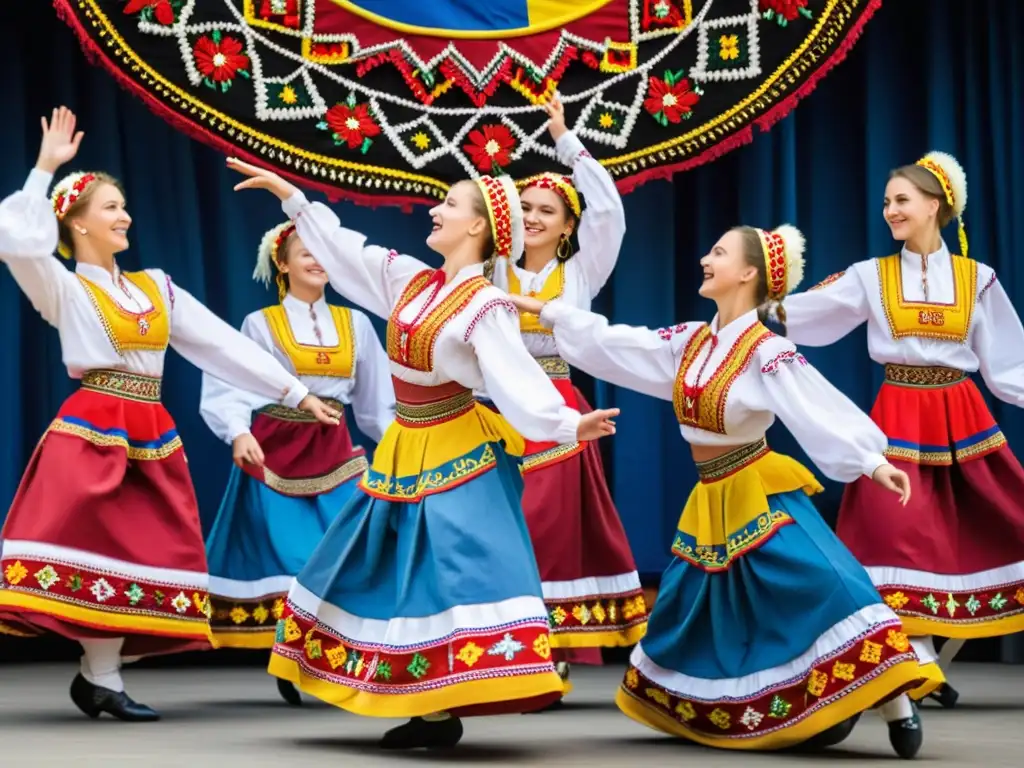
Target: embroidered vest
column 127, row 330
column 703, row 405
column 553, row 288
column 414, row 347
column 929, row 320
column 311, row 360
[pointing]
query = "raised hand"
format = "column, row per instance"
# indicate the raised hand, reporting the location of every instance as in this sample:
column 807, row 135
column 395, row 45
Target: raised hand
column 895, row 480
column 596, row 424
column 245, row 450
column 556, row 112
column 60, row 142
column 527, row 304
column 261, row 178
column 323, row 412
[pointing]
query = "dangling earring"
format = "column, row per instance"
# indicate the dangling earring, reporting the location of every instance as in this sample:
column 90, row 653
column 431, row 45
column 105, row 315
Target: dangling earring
column 564, row 250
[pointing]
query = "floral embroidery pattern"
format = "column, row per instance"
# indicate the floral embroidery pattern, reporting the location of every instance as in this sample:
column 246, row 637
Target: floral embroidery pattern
column 934, row 607
column 789, row 356
column 670, row 98
column 219, row 60
column 826, row 681
column 625, row 614
column 155, row 11
column 519, row 649
column 351, row 124
column 490, row 147
column 784, row 11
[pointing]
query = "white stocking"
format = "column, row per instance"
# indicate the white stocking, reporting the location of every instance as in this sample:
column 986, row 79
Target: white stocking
column 101, row 664
column 897, row 709
column 949, row 651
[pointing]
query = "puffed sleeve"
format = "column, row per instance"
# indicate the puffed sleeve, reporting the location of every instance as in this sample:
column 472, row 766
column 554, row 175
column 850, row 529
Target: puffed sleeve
column 827, row 312
column 602, row 226
column 373, row 395
column 28, row 238
column 515, row 382
column 837, row 435
column 636, row 358
column 227, row 410
column 367, row 275
column 998, row 342
column 216, row 348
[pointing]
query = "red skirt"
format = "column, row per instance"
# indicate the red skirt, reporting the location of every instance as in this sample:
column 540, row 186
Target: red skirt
column 950, row 563
column 103, row 538
column 591, row 587
column 301, row 456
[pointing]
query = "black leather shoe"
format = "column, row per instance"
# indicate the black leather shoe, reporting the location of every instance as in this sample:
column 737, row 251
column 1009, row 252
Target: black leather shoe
column 94, row 701
column 837, row 734
column 946, row 695
column 289, row 692
column 423, row 734
column 907, row 736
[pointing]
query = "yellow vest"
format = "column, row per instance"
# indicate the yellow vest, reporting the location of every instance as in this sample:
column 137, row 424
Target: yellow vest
column 929, row 320
column 127, row 330
column 311, row 360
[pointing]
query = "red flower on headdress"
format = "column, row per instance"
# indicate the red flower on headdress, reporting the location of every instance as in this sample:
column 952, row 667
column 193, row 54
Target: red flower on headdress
column 161, row 11
column 669, row 99
column 219, row 59
column 784, row 11
column 351, row 123
column 489, row 147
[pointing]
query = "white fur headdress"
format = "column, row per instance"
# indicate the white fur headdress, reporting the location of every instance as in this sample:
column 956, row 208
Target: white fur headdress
column 266, row 259
column 953, row 180
column 783, row 249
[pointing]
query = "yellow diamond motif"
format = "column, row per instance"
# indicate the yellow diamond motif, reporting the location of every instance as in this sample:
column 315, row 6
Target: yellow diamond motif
column 470, row 653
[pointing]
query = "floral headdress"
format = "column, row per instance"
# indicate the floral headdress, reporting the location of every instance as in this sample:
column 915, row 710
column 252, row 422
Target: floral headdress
column 64, row 195
column 268, row 261
column 557, row 183
column 953, row 180
column 783, row 249
column 505, row 215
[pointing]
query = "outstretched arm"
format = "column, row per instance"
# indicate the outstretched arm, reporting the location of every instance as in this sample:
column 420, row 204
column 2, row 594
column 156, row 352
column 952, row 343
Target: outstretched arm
column 828, row 311
column 999, row 343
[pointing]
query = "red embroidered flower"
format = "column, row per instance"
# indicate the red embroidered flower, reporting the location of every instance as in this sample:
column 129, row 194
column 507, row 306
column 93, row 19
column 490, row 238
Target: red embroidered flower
column 219, row 59
column 351, row 123
column 489, row 147
column 161, row 11
column 669, row 99
column 784, row 11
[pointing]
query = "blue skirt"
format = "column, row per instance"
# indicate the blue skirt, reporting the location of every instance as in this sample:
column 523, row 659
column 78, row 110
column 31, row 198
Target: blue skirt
column 429, row 600
column 771, row 634
column 259, row 542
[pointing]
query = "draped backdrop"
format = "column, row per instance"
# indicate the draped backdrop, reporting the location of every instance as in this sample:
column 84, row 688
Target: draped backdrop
column 927, row 74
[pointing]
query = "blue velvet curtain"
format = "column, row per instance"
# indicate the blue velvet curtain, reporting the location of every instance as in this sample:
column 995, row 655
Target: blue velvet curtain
column 928, row 74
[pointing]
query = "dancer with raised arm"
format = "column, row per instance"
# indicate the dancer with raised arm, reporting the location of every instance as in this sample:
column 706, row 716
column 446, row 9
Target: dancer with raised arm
column 102, row 543
column 952, row 563
column 591, row 587
column 766, row 632
column 423, row 600
column 292, row 475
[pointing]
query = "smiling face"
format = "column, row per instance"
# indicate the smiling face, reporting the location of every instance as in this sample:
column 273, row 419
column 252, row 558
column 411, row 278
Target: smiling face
column 546, row 217
column 461, row 215
column 910, row 212
column 300, row 267
column 728, row 267
column 99, row 211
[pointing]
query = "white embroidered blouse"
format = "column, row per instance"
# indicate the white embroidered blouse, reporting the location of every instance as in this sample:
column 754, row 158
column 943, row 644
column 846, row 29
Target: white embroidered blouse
column 227, row 410
column 969, row 322
column 601, row 230
column 28, row 238
column 734, row 382
column 479, row 347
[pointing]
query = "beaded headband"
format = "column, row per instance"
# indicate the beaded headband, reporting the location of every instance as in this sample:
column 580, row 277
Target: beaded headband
column 953, row 181
column 559, row 184
column 505, row 214
column 64, row 195
column 783, row 250
column 267, row 261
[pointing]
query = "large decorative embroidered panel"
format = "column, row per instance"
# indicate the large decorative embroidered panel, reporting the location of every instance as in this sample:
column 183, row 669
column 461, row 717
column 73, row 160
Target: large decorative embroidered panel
column 393, row 100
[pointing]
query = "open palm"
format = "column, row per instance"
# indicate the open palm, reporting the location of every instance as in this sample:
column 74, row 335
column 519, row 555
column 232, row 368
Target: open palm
column 60, row 141
column 261, row 178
